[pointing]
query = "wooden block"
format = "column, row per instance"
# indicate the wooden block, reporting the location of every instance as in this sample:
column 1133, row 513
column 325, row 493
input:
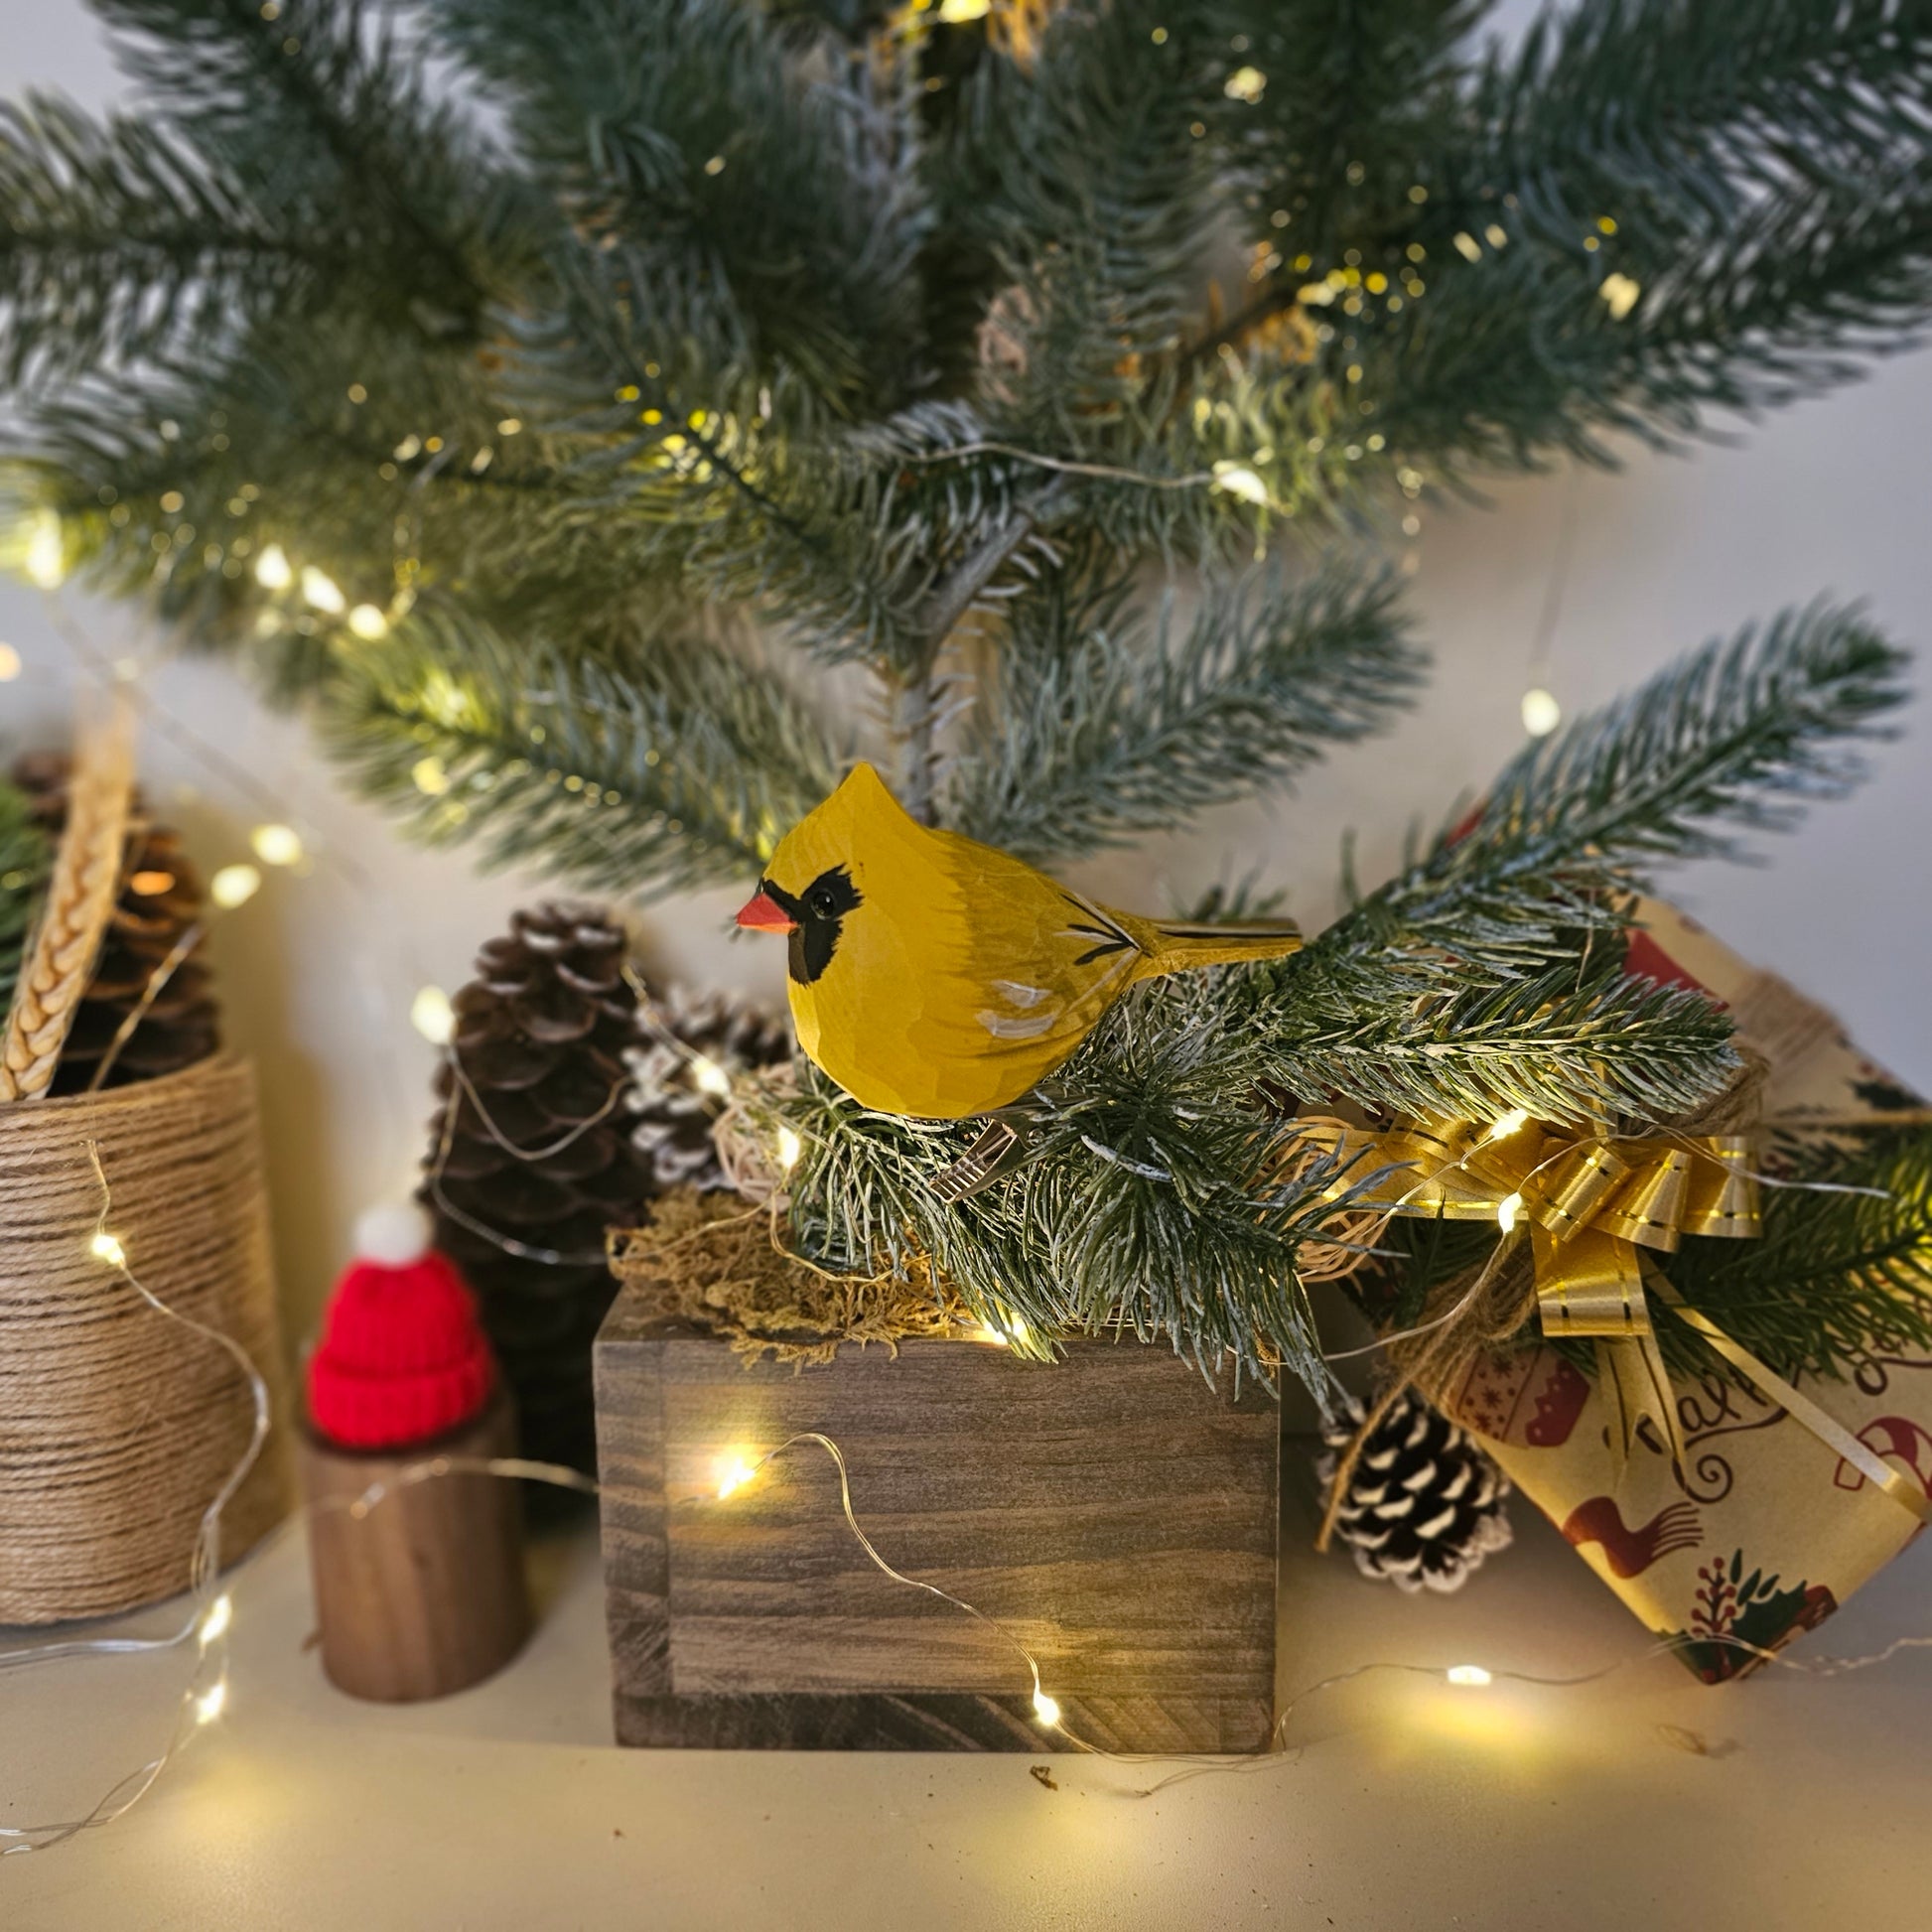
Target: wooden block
column 1116, row 1512
column 425, row 1593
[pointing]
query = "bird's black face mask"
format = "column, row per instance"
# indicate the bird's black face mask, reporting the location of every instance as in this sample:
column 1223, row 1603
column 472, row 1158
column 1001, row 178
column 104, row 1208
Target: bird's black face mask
column 819, row 912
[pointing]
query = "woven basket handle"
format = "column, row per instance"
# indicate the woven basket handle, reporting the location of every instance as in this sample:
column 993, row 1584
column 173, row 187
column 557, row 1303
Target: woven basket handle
column 80, row 898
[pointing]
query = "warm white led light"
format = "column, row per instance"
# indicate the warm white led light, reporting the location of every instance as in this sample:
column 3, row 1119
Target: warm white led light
column 1045, row 1709
column 790, row 1147
column 46, row 552
column 1541, row 713
column 710, row 1077
column 277, row 845
column 1621, row 294
column 106, row 1247
column 367, row 621
column 9, row 663
column 273, row 572
column 1238, row 480
column 220, row 1613
column 1471, row 1676
column 321, row 593
column 1510, row 1123
column 733, row 1475
column 431, row 1013
column 211, row 1703
column 1507, row 1209
column 234, row 885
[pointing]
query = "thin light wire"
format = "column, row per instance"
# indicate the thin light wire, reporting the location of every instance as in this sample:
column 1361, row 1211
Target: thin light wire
column 205, row 1564
column 127, row 1791
column 507, row 1243
column 870, row 1549
column 653, row 1021
column 1199, row 480
column 1558, row 581
column 529, row 1154
column 191, row 937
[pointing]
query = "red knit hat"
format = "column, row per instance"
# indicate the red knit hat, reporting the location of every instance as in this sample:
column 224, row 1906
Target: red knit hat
column 402, row 1357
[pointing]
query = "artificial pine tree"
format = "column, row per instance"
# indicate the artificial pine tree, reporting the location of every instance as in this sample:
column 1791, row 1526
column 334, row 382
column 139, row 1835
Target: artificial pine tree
column 22, row 871
column 935, row 350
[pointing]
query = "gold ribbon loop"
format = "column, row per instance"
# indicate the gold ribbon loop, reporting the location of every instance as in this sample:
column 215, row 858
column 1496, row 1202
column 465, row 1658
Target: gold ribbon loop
column 1590, row 1284
column 1649, row 1206
column 1591, row 1205
column 1564, row 1194
column 1420, row 1169
column 1726, row 1197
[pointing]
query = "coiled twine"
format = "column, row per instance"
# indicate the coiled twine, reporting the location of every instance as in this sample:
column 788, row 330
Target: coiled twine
column 117, row 1425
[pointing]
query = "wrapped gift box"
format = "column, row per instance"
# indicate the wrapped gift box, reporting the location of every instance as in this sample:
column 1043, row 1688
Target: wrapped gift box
column 1769, row 1530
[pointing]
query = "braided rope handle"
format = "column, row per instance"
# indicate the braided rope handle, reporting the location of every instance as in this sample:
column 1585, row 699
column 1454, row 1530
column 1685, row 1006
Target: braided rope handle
column 80, row 898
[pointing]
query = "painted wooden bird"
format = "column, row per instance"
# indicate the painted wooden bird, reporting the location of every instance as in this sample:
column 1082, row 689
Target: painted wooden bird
column 936, row 977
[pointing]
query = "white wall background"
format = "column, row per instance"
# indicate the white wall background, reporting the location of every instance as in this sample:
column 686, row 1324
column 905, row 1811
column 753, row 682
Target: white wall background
column 316, row 973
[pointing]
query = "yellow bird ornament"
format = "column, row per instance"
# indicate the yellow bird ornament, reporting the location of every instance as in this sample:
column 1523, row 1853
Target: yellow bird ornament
column 937, row 978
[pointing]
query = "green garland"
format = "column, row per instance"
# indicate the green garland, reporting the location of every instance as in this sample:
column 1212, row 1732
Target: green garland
column 24, row 859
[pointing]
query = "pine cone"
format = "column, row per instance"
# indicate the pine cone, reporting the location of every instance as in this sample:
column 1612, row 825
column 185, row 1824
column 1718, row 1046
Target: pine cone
column 676, row 1097
column 540, row 1039
column 160, row 903
column 1425, row 1504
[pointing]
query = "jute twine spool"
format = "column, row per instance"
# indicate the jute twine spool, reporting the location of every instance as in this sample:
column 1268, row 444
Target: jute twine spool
column 117, row 1425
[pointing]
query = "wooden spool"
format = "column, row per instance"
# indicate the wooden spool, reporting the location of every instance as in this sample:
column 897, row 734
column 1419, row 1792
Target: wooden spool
column 424, row 1593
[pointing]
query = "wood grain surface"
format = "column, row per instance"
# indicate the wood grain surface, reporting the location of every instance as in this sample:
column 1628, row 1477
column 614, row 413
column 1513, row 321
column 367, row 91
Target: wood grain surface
column 1116, row 1512
column 425, row 1595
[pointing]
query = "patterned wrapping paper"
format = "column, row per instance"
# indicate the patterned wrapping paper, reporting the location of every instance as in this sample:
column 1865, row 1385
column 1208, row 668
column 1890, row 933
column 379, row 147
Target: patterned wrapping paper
column 1770, row 1530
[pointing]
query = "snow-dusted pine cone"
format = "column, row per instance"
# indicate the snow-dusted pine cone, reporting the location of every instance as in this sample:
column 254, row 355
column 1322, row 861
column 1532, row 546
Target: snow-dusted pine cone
column 1425, row 1504
column 680, row 1083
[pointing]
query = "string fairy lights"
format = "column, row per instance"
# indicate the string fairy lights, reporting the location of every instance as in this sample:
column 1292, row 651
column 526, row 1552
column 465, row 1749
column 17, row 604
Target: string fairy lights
column 277, row 845
column 210, row 1611
column 208, row 1694
column 1541, row 714
column 1540, row 710
column 432, row 1015
column 233, row 887
column 46, row 557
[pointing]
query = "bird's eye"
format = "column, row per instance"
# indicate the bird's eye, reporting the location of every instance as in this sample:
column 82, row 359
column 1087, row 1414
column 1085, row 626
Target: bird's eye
column 822, row 902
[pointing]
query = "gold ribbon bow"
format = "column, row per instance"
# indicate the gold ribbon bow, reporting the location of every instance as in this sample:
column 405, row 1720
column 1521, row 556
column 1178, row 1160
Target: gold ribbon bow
column 1598, row 1208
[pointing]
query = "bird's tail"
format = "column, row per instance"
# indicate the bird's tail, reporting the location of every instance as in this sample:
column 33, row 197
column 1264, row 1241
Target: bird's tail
column 1176, row 947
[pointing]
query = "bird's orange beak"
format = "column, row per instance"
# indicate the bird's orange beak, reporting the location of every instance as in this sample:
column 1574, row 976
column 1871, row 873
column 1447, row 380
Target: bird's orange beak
column 762, row 914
